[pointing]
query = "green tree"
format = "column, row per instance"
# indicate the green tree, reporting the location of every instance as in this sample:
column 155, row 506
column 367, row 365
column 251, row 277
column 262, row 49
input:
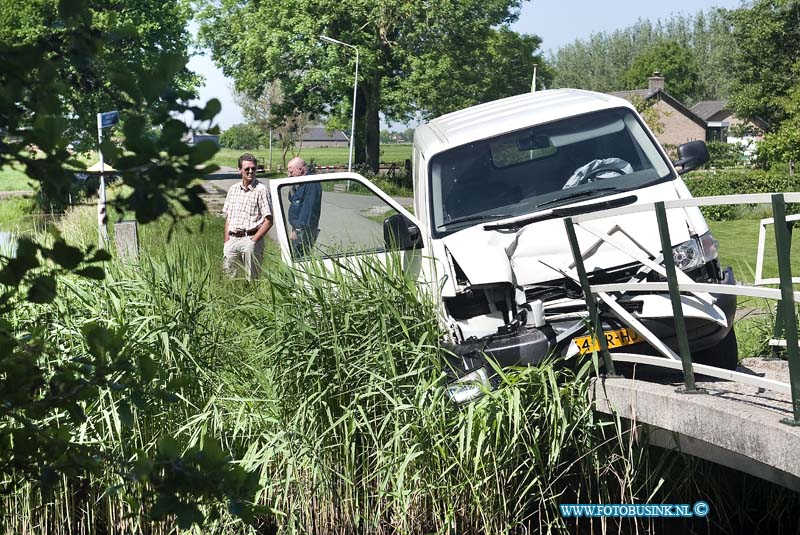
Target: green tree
column 766, row 74
column 649, row 113
column 599, row 62
column 782, row 145
column 765, row 63
column 676, row 64
column 138, row 34
column 43, row 392
column 500, row 66
column 414, row 55
column 265, row 113
column 241, row 137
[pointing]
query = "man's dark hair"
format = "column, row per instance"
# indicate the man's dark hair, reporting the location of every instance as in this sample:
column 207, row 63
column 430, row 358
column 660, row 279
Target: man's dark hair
column 247, row 157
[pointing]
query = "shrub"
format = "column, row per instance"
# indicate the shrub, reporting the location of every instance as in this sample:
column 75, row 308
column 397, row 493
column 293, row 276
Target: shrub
column 241, row 137
column 725, row 154
column 737, row 181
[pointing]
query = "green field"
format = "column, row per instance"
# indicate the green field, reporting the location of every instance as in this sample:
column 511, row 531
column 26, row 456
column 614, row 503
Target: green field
column 739, row 246
column 12, row 179
column 397, row 153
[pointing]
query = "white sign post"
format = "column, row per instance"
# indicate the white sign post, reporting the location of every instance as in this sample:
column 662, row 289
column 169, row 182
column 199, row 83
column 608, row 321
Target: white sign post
column 104, row 120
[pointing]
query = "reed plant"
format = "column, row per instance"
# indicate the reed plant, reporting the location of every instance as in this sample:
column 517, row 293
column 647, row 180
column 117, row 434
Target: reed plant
column 328, row 384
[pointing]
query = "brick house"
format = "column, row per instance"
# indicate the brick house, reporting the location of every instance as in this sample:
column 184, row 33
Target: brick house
column 680, row 123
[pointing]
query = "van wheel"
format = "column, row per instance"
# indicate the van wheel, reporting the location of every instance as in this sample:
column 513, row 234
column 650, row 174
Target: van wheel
column 724, row 355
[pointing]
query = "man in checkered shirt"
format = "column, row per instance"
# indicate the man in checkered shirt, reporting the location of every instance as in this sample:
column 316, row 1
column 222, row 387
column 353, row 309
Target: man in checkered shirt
column 248, row 217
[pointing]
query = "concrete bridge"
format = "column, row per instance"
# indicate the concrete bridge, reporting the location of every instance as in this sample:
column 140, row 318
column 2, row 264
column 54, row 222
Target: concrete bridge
column 732, row 424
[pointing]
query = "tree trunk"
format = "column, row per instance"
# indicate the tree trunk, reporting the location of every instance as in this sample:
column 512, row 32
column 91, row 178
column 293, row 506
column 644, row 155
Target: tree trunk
column 373, row 126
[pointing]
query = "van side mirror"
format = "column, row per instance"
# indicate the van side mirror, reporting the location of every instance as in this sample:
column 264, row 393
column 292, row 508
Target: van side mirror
column 400, row 234
column 691, row 156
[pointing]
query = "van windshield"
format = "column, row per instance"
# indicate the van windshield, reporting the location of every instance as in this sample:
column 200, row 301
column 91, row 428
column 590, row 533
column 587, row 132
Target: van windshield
column 592, row 155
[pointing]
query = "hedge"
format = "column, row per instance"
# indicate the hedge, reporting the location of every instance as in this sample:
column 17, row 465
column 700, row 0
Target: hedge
column 737, row 181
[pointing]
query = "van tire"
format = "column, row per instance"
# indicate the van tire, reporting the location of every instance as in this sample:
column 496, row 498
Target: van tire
column 724, row 355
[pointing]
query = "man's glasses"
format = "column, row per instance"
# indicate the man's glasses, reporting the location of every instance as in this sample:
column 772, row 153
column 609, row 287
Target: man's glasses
column 249, row 170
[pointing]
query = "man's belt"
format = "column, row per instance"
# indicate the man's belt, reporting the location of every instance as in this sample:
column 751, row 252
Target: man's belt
column 242, row 233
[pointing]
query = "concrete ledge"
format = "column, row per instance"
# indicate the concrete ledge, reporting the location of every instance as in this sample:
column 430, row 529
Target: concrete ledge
column 729, row 424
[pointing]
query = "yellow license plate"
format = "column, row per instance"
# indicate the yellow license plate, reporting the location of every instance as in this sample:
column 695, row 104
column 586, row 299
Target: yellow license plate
column 622, row 337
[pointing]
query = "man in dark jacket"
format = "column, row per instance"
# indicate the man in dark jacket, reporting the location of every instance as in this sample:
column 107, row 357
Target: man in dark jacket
column 305, row 200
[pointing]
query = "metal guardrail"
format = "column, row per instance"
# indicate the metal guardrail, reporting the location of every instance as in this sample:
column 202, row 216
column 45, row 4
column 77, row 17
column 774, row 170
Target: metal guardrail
column 678, row 282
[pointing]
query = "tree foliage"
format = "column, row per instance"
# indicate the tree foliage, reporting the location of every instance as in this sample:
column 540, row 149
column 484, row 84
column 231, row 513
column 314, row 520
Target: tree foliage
column 675, row 62
column 266, row 114
column 766, row 62
column 766, row 74
column 608, row 61
column 413, row 55
column 137, row 37
column 80, row 57
column 241, row 137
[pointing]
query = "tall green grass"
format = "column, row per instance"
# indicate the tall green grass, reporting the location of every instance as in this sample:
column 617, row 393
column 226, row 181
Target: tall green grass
column 330, row 384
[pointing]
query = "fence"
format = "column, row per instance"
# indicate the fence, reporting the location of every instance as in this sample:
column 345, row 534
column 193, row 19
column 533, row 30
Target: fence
column 785, row 294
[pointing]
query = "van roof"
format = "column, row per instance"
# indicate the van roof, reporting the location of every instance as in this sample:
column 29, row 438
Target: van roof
column 508, row 115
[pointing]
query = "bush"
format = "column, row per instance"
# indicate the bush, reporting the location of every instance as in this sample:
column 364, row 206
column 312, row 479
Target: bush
column 725, row 154
column 737, row 181
column 241, row 137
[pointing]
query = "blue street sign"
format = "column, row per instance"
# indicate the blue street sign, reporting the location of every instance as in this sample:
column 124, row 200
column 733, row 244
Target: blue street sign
column 109, row 118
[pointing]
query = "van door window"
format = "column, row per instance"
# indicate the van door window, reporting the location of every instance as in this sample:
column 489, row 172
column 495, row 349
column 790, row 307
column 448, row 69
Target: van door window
column 331, row 218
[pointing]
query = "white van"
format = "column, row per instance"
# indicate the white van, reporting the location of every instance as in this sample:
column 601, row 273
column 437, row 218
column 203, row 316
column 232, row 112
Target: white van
column 492, row 186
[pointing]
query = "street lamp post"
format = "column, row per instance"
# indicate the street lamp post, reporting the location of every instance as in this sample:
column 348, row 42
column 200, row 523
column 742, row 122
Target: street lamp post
column 355, row 92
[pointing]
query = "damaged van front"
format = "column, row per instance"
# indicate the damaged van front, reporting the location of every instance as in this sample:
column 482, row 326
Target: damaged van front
column 492, row 187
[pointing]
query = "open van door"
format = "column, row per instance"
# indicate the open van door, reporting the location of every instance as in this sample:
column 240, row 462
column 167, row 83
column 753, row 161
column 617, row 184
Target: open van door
column 356, row 219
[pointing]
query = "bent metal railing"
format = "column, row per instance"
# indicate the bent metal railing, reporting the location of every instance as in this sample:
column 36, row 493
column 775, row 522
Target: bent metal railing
column 677, row 282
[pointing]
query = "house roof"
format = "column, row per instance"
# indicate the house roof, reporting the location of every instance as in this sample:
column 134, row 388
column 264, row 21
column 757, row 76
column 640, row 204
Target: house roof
column 644, row 93
column 648, row 94
column 708, row 108
column 319, row 133
column 705, row 109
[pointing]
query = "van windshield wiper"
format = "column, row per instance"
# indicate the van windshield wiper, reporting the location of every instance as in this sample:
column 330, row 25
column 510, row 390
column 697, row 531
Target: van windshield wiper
column 476, row 217
column 577, row 195
column 563, row 212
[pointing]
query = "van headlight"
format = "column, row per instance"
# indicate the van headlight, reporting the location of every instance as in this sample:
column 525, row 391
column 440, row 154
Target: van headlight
column 469, row 387
column 695, row 252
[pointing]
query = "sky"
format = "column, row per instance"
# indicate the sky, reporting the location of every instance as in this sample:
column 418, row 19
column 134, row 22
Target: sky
column 557, row 23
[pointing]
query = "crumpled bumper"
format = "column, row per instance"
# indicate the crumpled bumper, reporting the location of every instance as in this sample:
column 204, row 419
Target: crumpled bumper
column 529, row 346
